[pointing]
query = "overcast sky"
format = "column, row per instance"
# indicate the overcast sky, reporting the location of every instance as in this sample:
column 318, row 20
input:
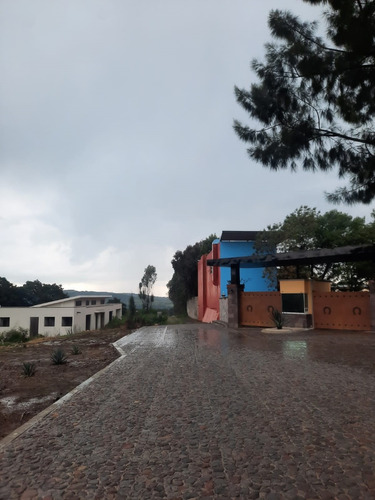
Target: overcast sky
column 117, row 147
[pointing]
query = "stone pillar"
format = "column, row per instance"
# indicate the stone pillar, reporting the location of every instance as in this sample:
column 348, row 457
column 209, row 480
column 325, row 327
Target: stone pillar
column 371, row 284
column 223, row 309
column 233, row 305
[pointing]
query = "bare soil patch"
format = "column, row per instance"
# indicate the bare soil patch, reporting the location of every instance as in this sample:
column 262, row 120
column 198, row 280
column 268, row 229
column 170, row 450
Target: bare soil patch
column 23, row 397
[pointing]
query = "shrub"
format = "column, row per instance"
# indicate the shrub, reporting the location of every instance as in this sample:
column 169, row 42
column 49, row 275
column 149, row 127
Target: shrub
column 28, row 369
column 16, row 335
column 178, row 320
column 277, row 318
column 58, row 357
column 76, row 350
column 115, row 322
column 151, row 317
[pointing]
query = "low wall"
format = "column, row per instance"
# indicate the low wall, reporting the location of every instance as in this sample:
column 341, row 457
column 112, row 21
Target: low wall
column 296, row 320
column 192, row 308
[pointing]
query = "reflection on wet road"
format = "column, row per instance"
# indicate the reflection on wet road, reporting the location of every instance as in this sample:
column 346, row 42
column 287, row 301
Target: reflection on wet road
column 295, row 349
column 352, row 349
column 197, row 411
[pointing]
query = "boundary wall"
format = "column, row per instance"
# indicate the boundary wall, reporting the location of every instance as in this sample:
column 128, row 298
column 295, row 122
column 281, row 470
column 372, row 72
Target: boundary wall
column 330, row 310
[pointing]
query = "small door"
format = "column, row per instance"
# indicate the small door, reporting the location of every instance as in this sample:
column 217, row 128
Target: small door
column 34, row 327
column 99, row 320
column 88, row 321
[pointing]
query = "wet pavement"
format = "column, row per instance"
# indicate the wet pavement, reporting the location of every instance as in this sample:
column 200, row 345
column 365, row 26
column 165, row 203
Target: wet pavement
column 197, row 411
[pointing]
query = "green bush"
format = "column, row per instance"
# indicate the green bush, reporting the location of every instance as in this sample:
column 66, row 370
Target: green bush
column 115, row 322
column 28, row 369
column 178, row 320
column 151, row 317
column 58, row 357
column 15, row 336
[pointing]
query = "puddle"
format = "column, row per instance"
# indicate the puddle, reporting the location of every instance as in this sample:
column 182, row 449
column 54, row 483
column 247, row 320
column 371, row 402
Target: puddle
column 295, row 349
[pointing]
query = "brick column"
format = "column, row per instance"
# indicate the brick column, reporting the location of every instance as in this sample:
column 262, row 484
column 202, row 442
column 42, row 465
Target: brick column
column 233, row 305
column 371, row 284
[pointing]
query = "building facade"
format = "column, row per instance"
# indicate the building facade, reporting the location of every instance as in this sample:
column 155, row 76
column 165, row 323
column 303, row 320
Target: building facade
column 213, row 281
column 61, row 317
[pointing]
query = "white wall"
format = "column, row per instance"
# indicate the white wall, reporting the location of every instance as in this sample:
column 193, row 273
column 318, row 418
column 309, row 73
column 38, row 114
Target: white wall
column 192, row 308
column 20, row 317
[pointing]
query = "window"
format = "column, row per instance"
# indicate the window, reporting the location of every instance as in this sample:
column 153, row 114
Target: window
column 93, row 302
column 66, row 321
column 78, row 302
column 294, row 302
column 102, row 301
column 49, row 321
column 87, row 302
column 4, row 321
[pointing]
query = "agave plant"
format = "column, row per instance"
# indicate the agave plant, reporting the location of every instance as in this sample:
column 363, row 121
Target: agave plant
column 58, row 357
column 277, row 318
column 28, row 369
column 76, row 350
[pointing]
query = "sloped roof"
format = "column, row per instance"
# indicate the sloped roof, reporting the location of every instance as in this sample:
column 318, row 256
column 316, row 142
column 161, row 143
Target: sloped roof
column 76, row 297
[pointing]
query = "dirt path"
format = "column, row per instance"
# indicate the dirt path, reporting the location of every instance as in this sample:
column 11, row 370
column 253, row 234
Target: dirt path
column 23, row 397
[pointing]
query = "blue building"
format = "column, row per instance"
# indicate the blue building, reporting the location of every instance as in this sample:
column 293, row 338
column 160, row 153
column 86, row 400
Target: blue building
column 240, row 244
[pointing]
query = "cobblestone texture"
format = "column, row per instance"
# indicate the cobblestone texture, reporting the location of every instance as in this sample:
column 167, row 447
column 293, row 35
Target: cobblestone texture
column 197, row 412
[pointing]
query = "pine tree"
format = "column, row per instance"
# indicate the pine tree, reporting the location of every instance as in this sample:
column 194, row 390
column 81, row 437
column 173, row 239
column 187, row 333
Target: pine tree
column 316, row 97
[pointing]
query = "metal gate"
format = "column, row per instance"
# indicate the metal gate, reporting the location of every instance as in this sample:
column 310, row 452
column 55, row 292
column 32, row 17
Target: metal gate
column 256, row 308
column 342, row 310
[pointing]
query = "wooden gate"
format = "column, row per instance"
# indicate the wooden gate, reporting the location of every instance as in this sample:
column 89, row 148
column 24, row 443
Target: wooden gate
column 256, row 308
column 342, row 310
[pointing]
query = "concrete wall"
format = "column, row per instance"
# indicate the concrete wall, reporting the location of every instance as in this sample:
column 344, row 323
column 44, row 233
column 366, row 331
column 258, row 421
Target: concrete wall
column 208, row 287
column 305, row 286
column 58, row 319
column 224, row 309
column 192, row 308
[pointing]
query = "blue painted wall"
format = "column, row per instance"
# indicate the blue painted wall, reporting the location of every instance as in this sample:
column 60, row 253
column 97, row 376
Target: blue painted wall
column 251, row 278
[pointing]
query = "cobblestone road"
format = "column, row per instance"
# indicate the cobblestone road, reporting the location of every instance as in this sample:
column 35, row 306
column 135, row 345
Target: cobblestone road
column 195, row 411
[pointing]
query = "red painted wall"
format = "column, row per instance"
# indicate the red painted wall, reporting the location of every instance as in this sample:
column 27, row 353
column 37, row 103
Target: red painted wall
column 209, row 287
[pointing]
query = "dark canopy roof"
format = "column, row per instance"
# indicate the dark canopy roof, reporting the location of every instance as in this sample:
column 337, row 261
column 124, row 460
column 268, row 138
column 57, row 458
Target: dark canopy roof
column 301, row 257
column 238, row 235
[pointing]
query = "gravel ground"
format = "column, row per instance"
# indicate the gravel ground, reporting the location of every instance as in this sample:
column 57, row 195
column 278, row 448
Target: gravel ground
column 197, row 411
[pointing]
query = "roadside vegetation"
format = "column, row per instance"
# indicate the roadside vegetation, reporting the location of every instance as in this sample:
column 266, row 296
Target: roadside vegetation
column 14, row 336
column 184, row 283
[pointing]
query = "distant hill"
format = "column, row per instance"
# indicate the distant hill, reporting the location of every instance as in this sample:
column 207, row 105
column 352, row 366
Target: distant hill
column 160, row 303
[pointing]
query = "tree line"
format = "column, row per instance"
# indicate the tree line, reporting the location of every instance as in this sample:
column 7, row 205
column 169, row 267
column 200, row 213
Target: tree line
column 29, row 294
column 184, row 282
column 308, row 229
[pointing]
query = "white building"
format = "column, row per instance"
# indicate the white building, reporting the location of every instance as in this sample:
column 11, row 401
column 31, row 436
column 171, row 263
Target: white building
column 60, row 317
